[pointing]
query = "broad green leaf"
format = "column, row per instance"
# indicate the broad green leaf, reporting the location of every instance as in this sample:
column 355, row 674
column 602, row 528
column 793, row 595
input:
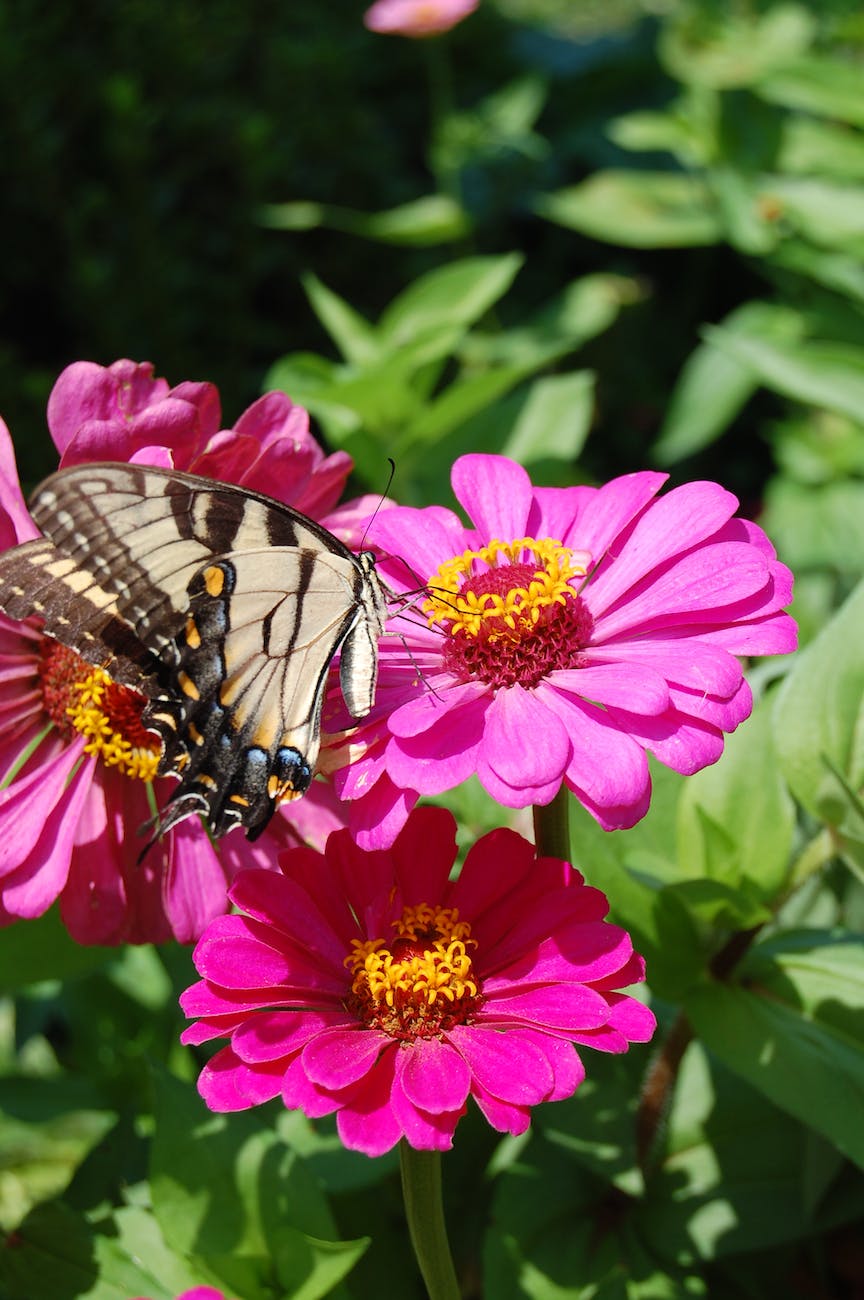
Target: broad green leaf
column 424, row 222
column 583, row 310
column 308, row 1268
column 827, row 213
column 744, row 794
column 813, row 148
column 818, row 709
column 352, row 334
column 748, row 217
column 456, row 294
column 822, row 374
column 714, row 385
column 41, row 949
column 55, row 1254
column 817, row 84
column 817, row 525
column 739, row 49
column 462, row 399
column 137, row 1232
column 638, row 209
column 555, row 420
column 731, row 1176
column 842, row 272
column 226, row 1184
column 47, row 1128
column 792, row 1057
column 647, row 131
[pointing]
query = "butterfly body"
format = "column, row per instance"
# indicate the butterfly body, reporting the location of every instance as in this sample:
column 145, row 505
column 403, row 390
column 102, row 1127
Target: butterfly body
column 224, row 608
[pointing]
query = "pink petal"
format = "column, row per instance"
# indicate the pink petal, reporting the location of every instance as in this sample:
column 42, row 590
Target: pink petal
column 422, row 1129
column 38, row 881
column 674, row 523
column 495, row 493
column 235, row 953
column 434, row 1076
column 337, row 1058
column 583, row 951
column 300, row 1093
column 368, row 1123
column 282, row 904
column 694, row 589
column 629, row 685
column 562, row 1007
column 509, row 1066
column 606, row 764
column 493, row 866
column 419, row 715
column 194, row 890
column 227, row 1084
column 681, row 659
column 776, row 634
column 377, row 818
column 423, row 854
column 609, row 510
column 274, row 1035
column 27, row 804
column 501, row 1115
column 444, row 756
column 15, row 522
column 525, row 743
column 423, row 539
column 686, row 745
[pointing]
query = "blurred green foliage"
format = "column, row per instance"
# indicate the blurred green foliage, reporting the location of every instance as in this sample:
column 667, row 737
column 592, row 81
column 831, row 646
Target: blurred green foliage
column 596, row 237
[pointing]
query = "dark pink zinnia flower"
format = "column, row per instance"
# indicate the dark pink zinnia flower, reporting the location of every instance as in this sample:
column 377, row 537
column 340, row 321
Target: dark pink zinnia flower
column 370, row 985
column 76, row 766
column 570, row 630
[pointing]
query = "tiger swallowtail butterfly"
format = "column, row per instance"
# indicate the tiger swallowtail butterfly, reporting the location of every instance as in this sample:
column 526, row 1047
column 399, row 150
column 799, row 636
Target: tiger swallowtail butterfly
column 224, row 608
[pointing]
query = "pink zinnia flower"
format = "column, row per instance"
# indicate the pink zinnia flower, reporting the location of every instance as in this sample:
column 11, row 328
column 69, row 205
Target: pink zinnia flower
column 569, row 631
column 417, row 17
column 75, row 784
column 370, row 985
column 198, row 1293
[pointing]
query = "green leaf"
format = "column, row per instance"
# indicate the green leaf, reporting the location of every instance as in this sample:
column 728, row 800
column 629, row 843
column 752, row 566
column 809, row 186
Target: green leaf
column 353, row 335
column 817, row 526
column 227, row 1184
column 42, row 950
column 739, row 49
column 818, row 709
column 810, row 147
column 782, row 1036
column 841, row 272
column 822, row 374
column 457, row 294
column 433, row 219
column 56, row 1254
column 555, row 420
column 817, row 84
column 745, row 795
column 638, row 209
column 827, row 213
column 308, row 1268
column 714, row 385
column 731, row 1177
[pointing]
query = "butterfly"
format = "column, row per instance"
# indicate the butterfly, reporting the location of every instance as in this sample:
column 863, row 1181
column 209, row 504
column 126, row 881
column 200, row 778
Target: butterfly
column 223, row 607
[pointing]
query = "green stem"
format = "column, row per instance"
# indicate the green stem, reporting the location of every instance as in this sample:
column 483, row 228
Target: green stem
column 552, row 827
column 424, row 1210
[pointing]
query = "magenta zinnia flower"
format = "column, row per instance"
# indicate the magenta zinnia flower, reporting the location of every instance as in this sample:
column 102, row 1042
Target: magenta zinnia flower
column 76, row 765
column 417, row 17
column 370, row 985
column 569, row 631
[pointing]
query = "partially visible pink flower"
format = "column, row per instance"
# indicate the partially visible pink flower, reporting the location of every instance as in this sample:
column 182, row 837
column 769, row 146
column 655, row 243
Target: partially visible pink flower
column 417, row 17
column 570, row 631
column 75, row 789
column 197, row 1293
column 370, row 985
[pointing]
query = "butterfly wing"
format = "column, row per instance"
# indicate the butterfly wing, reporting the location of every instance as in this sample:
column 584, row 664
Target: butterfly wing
column 242, row 728
column 222, row 605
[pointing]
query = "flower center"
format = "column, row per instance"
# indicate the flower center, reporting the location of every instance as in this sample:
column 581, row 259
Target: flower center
column 510, row 611
column 421, row 983
column 79, row 697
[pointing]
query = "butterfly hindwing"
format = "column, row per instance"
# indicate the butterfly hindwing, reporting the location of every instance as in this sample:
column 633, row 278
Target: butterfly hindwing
column 221, row 605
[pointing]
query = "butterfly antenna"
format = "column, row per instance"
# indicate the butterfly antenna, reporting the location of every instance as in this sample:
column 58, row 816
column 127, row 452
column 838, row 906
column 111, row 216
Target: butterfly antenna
column 390, row 477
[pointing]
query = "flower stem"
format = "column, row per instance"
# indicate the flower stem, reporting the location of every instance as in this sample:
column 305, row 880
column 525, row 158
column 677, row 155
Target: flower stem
column 424, row 1210
column 552, row 827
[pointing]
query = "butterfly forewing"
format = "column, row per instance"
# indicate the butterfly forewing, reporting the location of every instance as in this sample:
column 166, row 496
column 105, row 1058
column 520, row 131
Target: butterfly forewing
column 223, row 606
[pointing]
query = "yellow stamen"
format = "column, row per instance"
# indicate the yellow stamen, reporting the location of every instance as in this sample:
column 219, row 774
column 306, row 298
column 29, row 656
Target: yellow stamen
column 454, row 601
column 90, row 714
